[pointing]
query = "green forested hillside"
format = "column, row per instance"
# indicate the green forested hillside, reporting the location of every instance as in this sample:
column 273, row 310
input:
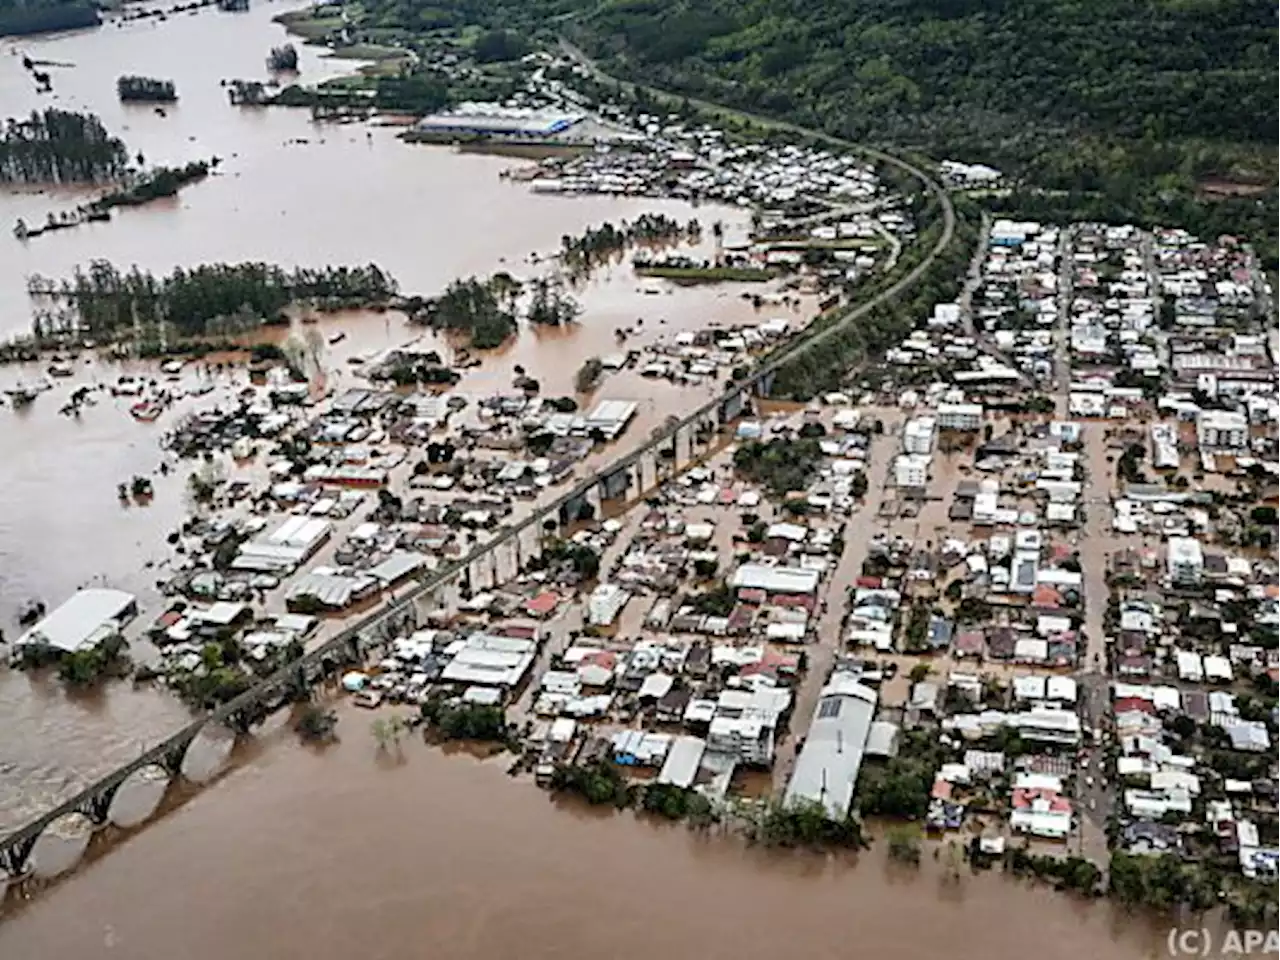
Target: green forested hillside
column 1159, row 68
column 1133, row 107
column 935, row 70
column 19, row 17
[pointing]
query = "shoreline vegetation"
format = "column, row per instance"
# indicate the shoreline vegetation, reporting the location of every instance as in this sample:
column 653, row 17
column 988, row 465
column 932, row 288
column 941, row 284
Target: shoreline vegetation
column 691, row 272
column 188, row 307
column 156, row 184
column 45, row 16
column 581, row 255
column 487, row 312
column 60, row 147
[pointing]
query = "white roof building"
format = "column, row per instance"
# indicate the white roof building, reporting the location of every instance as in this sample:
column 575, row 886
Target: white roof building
column 611, row 417
column 490, row 660
column 605, row 603
column 827, row 767
column 755, row 576
column 86, row 619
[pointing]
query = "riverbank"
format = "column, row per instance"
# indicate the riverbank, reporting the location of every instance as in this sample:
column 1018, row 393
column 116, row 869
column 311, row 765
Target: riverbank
column 515, row 881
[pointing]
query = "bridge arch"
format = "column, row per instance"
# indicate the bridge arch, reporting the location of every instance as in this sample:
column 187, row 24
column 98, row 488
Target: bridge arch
column 138, row 796
column 60, row 845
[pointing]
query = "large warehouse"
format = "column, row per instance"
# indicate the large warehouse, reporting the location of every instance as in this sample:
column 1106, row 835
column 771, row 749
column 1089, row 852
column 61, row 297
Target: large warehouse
column 84, row 621
column 827, row 767
column 490, row 120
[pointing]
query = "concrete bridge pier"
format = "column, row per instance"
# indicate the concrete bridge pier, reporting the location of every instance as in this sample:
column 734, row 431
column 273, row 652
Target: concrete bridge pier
column 647, row 471
column 530, row 541
column 732, row 407
column 594, row 499
column 506, row 558
column 683, row 446
column 451, row 593
column 704, row 434
column 15, row 858
column 480, row 574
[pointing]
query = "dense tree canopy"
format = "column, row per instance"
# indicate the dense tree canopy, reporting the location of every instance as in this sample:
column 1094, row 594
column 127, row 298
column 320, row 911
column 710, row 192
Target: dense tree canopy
column 58, row 146
column 1137, row 108
column 106, row 301
column 18, row 17
column 1136, row 67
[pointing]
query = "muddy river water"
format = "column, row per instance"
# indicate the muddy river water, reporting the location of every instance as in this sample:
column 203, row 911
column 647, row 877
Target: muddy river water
column 344, row 852
column 416, row 853
column 287, row 191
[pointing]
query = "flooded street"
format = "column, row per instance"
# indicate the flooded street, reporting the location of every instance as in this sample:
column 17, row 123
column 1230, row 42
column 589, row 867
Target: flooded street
column 291, row 192
column 414, row 851
column 345, row 852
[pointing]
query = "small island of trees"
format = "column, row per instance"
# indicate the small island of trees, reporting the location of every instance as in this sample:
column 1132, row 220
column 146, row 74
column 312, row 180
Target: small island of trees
column 106, row 303
column 482, row 309
column 582, row 254
column 60, row 146
column 132, row 89
column 158, row 183
column 283, row 59
column 550, row 306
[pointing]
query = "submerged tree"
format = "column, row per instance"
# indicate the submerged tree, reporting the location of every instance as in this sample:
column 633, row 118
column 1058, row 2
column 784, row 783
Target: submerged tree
column 589, row 374
column 146, row 89
column 283, row 59
column 479, row 308
column 315, row 724
column 550, row 306
column 59, row 146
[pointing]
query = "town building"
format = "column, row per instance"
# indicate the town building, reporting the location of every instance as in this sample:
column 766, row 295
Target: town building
column 917, row 435
column 911, row 471
column 827, row 767
column 1185, row 560
column 959, row 416
column 1222, row 430
column 605, row 603
column 86, row 619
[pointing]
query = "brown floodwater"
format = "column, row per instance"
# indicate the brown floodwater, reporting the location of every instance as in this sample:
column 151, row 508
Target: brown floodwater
column 342, row 852
column 345, row 852
column 288, row 191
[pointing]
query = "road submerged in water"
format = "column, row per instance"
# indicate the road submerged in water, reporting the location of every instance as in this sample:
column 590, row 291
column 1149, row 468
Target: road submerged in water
column 419, row 852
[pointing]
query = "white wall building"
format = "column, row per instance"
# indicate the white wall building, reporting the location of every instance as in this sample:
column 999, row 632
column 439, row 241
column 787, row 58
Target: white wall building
column 959, row 416
column 1185, row 560
column 1222, row 430
column 911, row 471
column 917, row 435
